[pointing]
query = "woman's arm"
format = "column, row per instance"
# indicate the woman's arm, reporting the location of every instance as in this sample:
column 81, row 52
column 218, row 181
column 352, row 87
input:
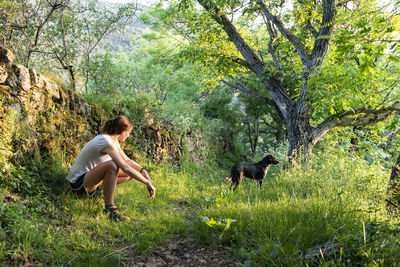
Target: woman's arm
column 115, row 154
column 135, row 165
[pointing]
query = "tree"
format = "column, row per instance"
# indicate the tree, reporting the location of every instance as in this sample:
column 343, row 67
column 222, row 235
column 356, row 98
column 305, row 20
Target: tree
column 61, row 33
column 322, row 64
column 394, row 188
column 10, row 19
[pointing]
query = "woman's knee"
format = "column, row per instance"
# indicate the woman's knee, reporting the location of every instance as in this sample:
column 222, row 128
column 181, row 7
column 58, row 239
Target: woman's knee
column 112, row 166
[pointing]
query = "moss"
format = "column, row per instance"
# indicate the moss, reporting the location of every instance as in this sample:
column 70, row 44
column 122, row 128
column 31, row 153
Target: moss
column 47, row 127
column 5, row 90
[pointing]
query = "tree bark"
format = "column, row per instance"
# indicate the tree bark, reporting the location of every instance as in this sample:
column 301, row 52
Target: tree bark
column 394, row 187
column 295, row 111
column 253, row 142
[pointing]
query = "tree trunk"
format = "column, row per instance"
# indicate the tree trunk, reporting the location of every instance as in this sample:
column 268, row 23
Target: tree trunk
column 393, row 202
column 253, row 142
column 300, row 134
column 249, row 135
column 295, row 110
column 72, row 76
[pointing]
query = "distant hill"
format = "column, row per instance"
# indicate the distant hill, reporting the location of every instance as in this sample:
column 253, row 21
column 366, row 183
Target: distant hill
column 123, row 39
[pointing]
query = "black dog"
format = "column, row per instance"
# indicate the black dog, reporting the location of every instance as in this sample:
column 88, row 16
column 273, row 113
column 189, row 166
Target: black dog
column 256, row 171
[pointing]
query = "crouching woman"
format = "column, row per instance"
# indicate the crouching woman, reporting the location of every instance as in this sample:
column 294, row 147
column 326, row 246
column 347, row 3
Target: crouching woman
column 102, row 164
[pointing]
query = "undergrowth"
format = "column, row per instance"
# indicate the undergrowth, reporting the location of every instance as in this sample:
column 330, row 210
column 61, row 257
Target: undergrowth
column 330, row 212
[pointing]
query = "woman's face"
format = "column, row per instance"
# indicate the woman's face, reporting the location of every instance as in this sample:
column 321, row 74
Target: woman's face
column 125, row 134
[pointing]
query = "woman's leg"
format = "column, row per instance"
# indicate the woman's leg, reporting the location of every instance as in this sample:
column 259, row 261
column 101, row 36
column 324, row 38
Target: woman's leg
column 105, row 174
column 122, row 176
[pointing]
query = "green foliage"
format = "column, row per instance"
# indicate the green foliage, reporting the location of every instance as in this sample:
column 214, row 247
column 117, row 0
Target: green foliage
column 337, row 199
column 378, row 142
column 159, row 84
column 11, row 15
column 327, row 201
column 202, row 43
column 7, row 128
column 111, row 261
column 360, row 71
column 335, row 204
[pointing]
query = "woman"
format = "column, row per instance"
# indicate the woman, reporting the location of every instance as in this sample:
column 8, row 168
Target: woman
column 102, row 164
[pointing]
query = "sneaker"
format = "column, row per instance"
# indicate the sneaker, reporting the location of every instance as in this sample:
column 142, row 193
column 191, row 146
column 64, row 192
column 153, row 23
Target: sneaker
column 96, row 192
column 115, row 214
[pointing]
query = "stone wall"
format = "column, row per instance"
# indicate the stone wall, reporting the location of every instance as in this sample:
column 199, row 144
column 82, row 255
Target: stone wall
column 48, row 119
column 54, row 121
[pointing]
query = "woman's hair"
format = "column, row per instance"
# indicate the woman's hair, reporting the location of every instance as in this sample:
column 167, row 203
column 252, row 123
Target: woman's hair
column 117, row 125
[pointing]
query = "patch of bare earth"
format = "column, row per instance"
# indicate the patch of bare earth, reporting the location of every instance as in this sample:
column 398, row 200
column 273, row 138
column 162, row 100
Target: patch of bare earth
column 183, row 252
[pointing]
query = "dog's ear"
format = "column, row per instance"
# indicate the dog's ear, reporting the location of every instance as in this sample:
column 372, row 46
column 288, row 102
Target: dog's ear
column 272, row 159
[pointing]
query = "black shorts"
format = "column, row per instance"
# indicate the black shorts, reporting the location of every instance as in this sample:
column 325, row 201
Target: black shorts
column 79, row 188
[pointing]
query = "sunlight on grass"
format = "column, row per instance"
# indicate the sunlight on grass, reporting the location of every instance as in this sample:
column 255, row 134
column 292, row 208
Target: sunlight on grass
column 300, row 208
column 335, row 204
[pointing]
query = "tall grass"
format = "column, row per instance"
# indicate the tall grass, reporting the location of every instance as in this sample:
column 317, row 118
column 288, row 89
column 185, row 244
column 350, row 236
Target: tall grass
column 335, row 204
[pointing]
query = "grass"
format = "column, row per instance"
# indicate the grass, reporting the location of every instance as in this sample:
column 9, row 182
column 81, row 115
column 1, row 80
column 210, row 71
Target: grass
column 334, row 205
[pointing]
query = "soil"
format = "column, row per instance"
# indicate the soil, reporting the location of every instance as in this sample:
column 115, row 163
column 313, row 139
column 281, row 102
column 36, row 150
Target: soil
column 183, row 252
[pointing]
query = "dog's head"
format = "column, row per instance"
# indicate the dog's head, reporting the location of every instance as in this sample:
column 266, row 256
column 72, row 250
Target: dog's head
column 269, row 159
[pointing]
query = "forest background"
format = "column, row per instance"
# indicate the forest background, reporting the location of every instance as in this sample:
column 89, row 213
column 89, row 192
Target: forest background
column 322, row 98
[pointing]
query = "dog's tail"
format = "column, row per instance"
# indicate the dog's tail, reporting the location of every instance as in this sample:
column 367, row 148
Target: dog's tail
column 228, row 179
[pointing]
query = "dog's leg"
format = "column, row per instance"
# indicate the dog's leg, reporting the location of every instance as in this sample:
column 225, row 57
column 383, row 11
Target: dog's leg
column 260, row 182
column 238, row 181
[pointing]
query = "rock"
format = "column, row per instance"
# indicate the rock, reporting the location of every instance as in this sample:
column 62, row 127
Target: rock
column 39, row 80
column 6, row 56
column 18, row 109
column 34, row 77
column 170, row 257
column 50, row 86
column 154, row 263
column 12, row 79
column 24, row 79
column 84, row 108
column 3, row 72
column 37, row 99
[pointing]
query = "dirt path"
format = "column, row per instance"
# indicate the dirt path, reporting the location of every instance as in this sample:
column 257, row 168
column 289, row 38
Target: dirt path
column 182, row 252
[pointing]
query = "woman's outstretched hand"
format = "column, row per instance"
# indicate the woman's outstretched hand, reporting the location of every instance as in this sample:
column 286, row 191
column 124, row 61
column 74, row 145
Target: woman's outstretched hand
column 146, row 175
column 152, row 190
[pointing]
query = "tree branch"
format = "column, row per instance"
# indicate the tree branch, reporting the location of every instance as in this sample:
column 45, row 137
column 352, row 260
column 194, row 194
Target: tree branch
column 243, row 88
column 273, row 84
column 313, row 31
column 321, row 44
column 361, row 121
column 248, row 54
column 54, row 7
column 271, row 46
column 342, row 119
column 392, row 108
column 305, row 58
column 343, row 2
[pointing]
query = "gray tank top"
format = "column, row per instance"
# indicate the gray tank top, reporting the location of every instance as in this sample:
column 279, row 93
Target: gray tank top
column 90, row 156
